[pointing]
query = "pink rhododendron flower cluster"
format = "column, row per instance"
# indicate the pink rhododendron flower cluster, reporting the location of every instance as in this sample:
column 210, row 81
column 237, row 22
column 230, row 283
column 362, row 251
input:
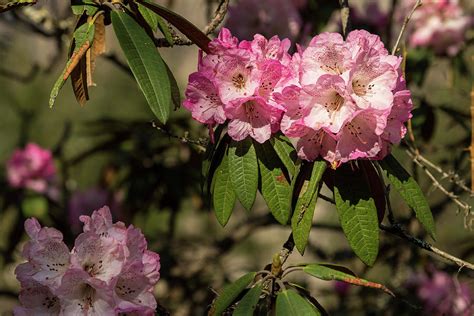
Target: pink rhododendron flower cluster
column 438, row 24
column 31, row 168
column 338, row 99
column 109, row 270
column 442, row 295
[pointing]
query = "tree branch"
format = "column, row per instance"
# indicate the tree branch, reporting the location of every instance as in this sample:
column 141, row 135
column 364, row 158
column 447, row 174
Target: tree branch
column 404, row 26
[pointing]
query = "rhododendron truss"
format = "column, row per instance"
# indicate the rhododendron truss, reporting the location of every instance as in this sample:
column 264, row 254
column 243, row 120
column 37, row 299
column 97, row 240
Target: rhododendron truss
column 337, row 99
column 108, row 272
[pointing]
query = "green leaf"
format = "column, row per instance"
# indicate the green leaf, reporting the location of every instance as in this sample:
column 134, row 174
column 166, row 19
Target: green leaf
column 35, row 206
column 289, row 303
column 274, row 186
column 15, row 4
column 145, row 62
column 285, row 151
column 243, row 166
column 326, row 273
column 230, row 292
column 150, row 17
column 249, row 302
column 175, row 94
column 223, row 195
column 302, row 218
column 80, row 6
column 82, row 40
column 163, row 26
column 357, row 212
column 410, row 192
column 183, row 25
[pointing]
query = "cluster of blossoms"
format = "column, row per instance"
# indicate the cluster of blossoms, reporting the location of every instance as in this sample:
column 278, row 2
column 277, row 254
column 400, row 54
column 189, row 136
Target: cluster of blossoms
column 108, row 272
column 441, row 294
column 338, row 99
column 31, row 168
column 439, row 24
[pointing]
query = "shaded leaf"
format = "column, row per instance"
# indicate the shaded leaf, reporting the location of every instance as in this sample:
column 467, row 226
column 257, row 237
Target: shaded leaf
column 145, row 62
column 230, row 292
column 183, row 25
column 223, row 194
column 357, row 212
column 12, row 4
column 376, row 186
column 243, row 166
column 249, row 302
column 275, row 188
column 302, row 218
column 289, row 303
column 326, row 273
column 410, row 191
column 165, row 30
column 79, row 78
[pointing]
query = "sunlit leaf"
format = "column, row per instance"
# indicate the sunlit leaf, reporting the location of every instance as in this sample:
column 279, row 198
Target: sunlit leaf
column 145, row 62
column 286, row 152
column 410, row 191
column 243, row 166
column 357, row 212
column 81, row 42
column 328, row 274
column 81, row 6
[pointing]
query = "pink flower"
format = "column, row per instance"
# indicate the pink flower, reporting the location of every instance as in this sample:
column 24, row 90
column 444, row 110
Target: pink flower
column 109, row 270
column 31, row 168
column 269, row 17
column 440, row 25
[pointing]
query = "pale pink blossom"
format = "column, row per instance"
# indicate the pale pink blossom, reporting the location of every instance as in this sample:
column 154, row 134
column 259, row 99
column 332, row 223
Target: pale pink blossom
column 440, row 25
column 109, row 271
column 31, row 168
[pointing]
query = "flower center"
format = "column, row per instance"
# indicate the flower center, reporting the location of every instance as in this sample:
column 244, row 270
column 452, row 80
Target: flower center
column 358, row 87
column 238, row 81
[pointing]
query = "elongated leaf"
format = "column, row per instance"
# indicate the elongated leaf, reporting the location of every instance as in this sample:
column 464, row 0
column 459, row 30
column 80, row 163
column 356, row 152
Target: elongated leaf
column 376, row 186
column 213, row 157
column 328, row 274
column 81, row 42
column 230, row 293
column 285, row 151
column 183, row 25
column 243, row 166
column 274, row 186
column 98, row 48
column 289, row 303
column 223, row 195
column 410, row 192
column 150, row 17
column 302, row 218
column 79, row 81
column 12, row 4
column 145, row 62
column 175, row 94
column 165, row 30
column 249, row 302
column 357, row 213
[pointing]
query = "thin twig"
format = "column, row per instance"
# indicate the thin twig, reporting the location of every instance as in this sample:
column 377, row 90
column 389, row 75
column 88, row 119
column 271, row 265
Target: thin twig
column 400, row 232
column 219, row 16
column 202, row 143
column 287, row 249
column 404, row 26
column 471, row 148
